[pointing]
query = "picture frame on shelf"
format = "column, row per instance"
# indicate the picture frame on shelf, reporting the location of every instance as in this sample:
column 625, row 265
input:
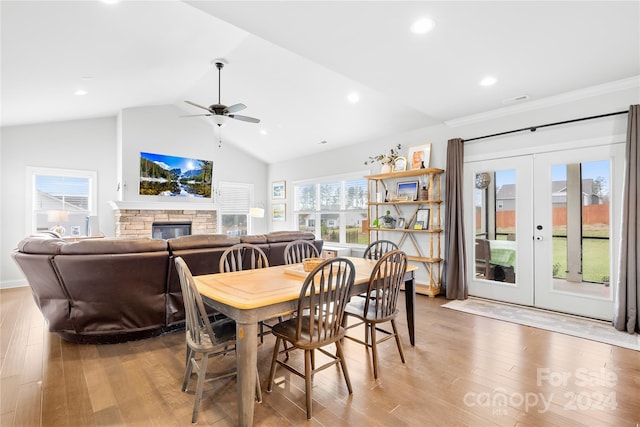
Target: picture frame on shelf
column 75, row 230
column 279, row 212
column 407, row 190
column 278, row 190
column 401, row 222
column 418, row 155
column 423, row 215
column 400, row 164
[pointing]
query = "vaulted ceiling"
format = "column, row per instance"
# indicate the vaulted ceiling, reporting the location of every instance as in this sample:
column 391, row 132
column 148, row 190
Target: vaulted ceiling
column 293, row 63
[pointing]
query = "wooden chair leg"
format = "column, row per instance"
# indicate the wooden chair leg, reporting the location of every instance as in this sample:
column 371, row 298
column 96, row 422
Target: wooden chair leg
column 274, row 360
column 374, row 349
column 308, row 383
column 313, row 359
column 343, row 364
column 258, row 389
column 188, row 370
column 202, row 372
column 395, row 332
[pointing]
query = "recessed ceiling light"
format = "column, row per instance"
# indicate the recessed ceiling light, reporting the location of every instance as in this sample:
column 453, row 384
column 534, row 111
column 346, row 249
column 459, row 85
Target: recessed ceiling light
column 488, row 81
column 263, row 131
column 110, row 1
column 353, row 97
column 80, row 92
column 422, row 26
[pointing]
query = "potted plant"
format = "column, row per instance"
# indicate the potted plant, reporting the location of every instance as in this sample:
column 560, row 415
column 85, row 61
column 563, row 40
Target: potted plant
column 387, row 221
column 386, row 159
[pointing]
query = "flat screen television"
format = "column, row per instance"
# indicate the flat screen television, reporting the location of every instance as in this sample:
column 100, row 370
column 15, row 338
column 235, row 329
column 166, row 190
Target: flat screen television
column 172, row 176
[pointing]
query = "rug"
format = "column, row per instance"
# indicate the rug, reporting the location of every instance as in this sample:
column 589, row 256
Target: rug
column 576, row 326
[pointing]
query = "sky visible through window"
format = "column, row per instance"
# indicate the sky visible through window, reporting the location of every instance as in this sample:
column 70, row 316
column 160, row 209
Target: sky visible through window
column 62, row 185
column 590, row 170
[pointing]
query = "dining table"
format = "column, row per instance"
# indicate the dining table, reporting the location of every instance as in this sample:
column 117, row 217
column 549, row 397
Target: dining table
column 250, row 296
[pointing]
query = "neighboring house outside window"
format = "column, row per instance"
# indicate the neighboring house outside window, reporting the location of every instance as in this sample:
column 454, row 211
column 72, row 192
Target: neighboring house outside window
column 332, row 208
column 235, row 201
column 61, row 199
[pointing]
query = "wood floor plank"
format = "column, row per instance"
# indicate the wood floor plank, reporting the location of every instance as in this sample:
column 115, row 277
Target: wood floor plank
column 456, row 375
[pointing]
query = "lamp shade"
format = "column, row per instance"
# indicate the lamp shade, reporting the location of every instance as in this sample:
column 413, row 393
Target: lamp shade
column 256, row 212
column 58, row 216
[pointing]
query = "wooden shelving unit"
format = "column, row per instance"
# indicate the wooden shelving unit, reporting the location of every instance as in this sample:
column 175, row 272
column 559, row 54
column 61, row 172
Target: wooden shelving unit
column 421, row 246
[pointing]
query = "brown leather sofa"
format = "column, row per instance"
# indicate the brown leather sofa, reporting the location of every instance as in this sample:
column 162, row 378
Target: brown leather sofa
column 113, row 290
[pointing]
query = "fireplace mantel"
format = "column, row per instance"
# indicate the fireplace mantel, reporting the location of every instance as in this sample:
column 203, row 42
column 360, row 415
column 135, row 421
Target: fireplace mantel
column 161, row 206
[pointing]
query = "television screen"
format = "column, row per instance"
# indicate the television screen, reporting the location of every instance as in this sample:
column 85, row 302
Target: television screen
column 171, row 176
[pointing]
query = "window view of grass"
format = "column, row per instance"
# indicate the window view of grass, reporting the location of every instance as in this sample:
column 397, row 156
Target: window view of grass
column 595, row 253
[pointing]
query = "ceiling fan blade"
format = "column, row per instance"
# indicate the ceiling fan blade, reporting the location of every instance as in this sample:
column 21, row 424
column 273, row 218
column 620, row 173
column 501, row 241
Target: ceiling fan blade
column 235, row 108
column 196, row 105
column 197, row 115
column 244, row 118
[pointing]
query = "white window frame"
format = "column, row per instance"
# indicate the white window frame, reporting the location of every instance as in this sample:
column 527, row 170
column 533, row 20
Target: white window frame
column 318, row 212
column 225, row 187
column 30, row 180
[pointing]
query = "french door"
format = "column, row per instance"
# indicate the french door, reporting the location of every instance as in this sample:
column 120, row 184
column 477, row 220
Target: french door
column 543, row 229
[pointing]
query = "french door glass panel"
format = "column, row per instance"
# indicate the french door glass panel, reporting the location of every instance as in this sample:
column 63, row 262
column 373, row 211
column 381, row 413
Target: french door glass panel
column 501, row 256
column 554, row 217
column 576, row 210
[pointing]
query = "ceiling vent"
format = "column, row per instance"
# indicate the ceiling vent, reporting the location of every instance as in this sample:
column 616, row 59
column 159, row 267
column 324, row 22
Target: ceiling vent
column 515, row 99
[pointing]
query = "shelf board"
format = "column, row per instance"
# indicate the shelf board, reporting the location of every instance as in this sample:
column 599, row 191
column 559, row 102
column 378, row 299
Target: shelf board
column 405, row 230
column 427, row 290
column 423, row 259
column 405, row 174
column 409, row 202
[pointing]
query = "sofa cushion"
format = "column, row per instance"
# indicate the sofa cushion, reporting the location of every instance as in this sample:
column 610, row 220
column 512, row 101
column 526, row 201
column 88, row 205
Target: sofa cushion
column 289, row 236
column 254, row 239
column 43, row 244
column 113, row 246
column 196, row 241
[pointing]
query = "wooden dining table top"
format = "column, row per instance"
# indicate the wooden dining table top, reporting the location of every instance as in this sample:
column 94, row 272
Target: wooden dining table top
column 251, row 289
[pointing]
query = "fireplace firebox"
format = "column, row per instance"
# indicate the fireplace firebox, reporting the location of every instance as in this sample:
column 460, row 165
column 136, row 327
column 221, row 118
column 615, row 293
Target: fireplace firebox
column 167, row 230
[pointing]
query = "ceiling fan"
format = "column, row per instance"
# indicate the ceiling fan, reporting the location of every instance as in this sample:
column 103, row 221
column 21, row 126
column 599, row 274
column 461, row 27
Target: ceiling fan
column 219, row 111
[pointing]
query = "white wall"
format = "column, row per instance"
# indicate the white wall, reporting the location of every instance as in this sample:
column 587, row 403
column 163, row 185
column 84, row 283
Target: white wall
column 160, row 130
column 350, row 159
column 94, row 145
column 111, row 146
column 81, row 144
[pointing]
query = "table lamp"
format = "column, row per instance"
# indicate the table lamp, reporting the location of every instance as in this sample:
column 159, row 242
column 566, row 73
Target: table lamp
column 256, row 212
column 58, row 217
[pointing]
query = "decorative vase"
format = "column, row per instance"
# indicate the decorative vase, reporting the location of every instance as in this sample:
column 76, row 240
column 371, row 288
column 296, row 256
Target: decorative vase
column 386, row 168
column 424, row 193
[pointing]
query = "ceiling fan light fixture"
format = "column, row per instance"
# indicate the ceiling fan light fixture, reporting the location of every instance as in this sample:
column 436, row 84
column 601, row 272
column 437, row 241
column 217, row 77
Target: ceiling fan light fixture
column 219, row 120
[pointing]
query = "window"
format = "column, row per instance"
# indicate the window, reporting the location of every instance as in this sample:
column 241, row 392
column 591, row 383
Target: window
column 235, row 200
column 61, row 199
column 332, row 208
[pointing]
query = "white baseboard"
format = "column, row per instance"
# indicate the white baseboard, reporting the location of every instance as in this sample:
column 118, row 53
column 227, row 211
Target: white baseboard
column 8, row 284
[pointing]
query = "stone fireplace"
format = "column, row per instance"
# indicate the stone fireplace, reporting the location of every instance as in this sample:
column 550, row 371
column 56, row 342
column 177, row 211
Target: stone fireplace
column 136, row 219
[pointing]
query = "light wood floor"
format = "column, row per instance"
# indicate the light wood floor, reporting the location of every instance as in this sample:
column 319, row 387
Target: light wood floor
column 465, row 370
